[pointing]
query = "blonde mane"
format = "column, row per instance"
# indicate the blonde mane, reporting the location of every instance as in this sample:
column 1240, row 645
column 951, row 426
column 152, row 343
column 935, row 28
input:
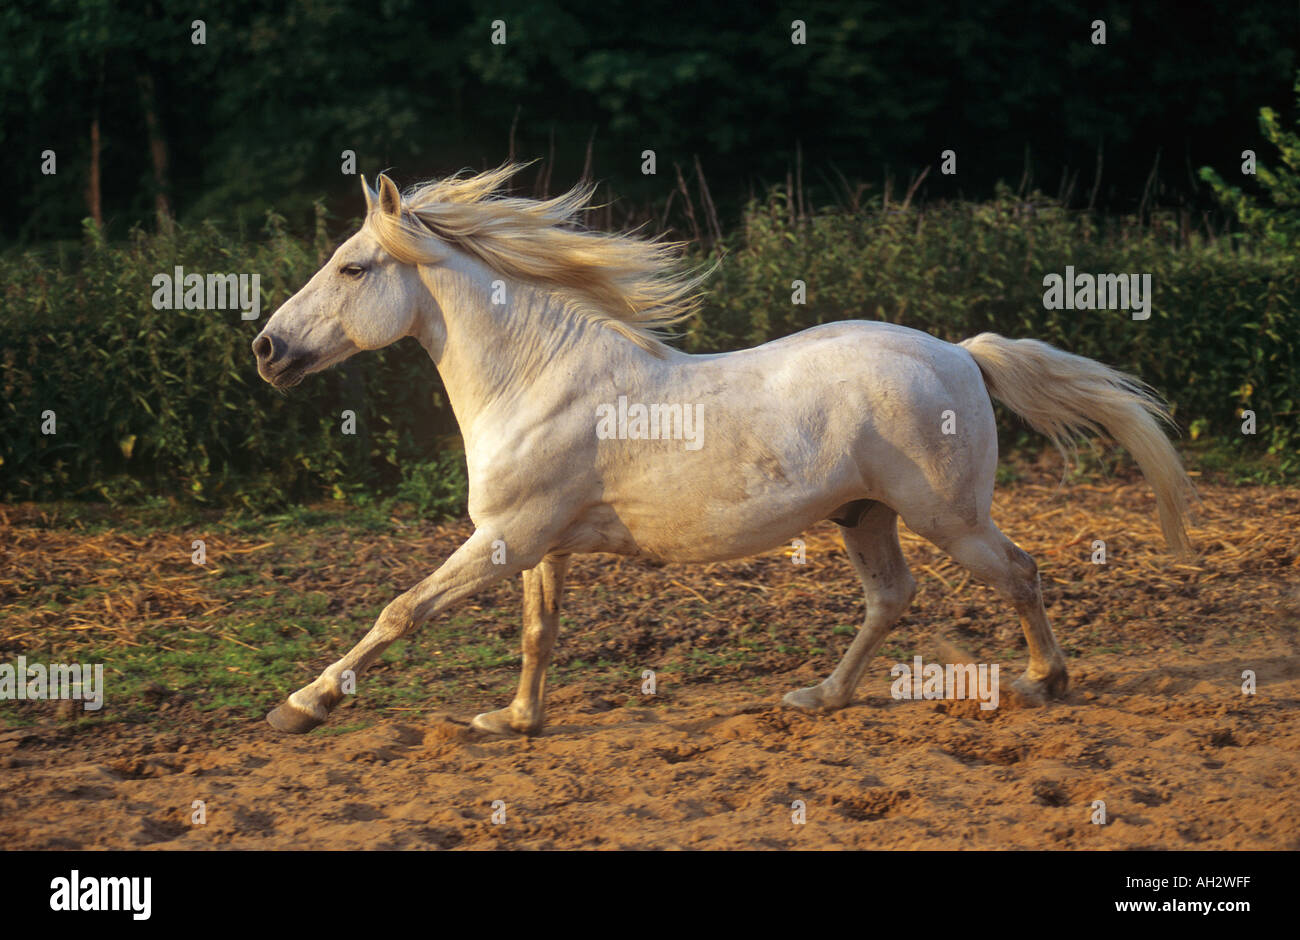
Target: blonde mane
column 631, row 284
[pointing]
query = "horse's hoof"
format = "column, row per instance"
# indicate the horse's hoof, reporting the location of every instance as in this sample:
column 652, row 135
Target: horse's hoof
column 1033, row 691
column 291, row 719
column 502, row 721
column 811, row 699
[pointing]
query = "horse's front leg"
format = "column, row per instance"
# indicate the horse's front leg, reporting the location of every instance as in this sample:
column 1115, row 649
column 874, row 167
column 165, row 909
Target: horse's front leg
column 543, row 587
column 472, row 567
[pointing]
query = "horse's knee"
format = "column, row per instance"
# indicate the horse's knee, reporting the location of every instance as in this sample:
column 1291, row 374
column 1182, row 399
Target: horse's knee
column 909, row 589
column 1022, row 563
column 895, row 597
column 397, row 619
column 1023, row 584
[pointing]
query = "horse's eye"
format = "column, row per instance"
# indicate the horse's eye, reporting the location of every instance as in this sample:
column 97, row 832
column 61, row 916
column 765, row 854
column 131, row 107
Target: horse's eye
column 352, row 270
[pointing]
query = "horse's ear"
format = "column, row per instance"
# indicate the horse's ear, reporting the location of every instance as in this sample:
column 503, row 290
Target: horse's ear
column 390, row 200
column 371, row 196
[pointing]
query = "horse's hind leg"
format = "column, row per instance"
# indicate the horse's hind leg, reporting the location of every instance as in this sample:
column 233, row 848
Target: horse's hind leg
column 543, row 587
column 997, row 561
column 873, row 548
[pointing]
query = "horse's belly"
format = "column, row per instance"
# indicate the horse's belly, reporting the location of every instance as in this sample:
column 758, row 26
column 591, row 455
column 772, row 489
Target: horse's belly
column 725, row 518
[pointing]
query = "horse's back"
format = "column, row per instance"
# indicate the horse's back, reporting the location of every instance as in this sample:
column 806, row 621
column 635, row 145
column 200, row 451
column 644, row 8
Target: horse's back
column 874, row 365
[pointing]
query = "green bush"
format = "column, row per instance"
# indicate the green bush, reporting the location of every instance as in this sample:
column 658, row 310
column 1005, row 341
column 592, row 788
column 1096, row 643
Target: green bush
column 1278, row 220
column 169, row 402
column 436, row 489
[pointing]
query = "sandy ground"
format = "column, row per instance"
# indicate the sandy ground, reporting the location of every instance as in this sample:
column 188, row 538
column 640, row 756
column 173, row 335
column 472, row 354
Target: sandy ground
column 1179, row 756
column 1155, row 724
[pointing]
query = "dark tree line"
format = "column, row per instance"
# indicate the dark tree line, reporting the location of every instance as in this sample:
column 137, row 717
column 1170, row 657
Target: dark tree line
column 148, row 126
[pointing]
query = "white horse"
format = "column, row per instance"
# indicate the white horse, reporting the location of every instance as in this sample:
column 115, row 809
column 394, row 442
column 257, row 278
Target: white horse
column 584, row 433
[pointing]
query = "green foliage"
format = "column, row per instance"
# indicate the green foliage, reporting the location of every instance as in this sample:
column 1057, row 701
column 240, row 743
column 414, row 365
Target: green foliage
column 436, row 489
column 1279, row 221
column 260, row 114
column 169, row 402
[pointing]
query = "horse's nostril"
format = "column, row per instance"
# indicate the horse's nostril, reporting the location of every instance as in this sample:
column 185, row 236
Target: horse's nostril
column 266, row 349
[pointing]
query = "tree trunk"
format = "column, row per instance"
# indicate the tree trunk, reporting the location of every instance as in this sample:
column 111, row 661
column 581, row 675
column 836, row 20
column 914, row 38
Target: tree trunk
column 93, row 203
column 94, row 190
column 157, row 152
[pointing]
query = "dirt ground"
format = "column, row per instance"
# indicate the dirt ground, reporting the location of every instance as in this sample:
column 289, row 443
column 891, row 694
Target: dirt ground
column 1155, row 724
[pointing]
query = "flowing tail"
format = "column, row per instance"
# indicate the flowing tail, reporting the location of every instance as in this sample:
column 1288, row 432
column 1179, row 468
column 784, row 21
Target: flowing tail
column 1063, row 395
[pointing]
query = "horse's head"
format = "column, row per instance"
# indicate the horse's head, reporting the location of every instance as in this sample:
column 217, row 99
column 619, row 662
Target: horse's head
column 363, row 298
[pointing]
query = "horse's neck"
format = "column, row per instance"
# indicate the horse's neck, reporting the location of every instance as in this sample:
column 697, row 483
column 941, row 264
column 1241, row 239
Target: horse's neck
column 524, row 354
